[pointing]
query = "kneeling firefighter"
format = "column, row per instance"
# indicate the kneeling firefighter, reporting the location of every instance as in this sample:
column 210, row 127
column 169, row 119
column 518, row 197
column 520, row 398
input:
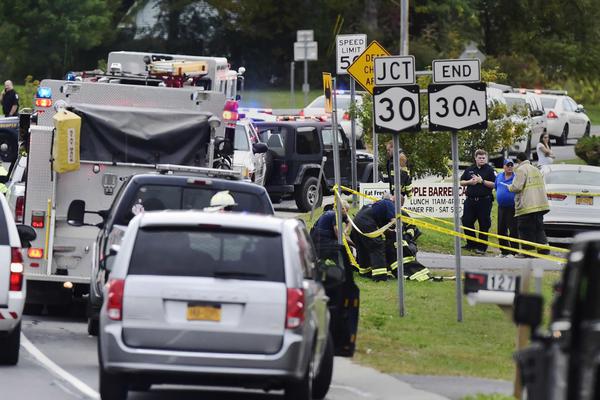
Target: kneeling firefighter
column 371, row 250
column 343, row 295
column 413, row 269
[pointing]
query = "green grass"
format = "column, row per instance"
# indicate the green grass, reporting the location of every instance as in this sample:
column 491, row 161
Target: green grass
column 428, row 339
column 276, row 98
column 576, row 161
column 593, row 111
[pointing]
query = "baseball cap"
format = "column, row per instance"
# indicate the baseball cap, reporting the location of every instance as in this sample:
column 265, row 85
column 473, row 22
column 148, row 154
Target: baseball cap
column 508, row 161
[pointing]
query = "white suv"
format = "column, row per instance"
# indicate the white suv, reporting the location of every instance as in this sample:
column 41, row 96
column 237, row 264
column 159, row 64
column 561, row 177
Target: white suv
column 12, row 283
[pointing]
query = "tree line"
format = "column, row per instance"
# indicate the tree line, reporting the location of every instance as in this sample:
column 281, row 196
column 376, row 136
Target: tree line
column 537, row 43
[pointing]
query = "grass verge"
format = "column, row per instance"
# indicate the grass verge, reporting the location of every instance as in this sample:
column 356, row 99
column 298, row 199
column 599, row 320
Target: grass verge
column 276, row 98
column 593, row 111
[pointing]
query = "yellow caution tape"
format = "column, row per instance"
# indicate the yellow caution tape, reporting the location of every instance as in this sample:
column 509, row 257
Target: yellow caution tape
column 575, row 194
column 451, row 232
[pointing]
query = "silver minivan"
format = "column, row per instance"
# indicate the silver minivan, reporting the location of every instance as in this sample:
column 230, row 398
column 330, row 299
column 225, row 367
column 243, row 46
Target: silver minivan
column 226, row 299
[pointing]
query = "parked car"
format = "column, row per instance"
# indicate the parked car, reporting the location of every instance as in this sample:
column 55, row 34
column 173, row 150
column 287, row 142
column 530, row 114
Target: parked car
column 566, row 119
column 235, row 300
column 297, row 149
column 249, row 152
column 562, row 360
column 574, row 198
column 146, row 192
column 529, row 110
column 317, row 109
column 12, row 283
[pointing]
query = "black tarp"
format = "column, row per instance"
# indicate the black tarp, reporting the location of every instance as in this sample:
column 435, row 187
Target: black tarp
column 143, row 135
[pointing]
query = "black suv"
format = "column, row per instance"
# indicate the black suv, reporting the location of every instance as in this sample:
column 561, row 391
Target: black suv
column 296, row 149
column 151, row 192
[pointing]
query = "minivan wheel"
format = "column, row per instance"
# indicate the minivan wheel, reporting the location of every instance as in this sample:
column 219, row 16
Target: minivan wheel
column 308, row 193
column 112, row 386
column 9, row 347
column 302, row 389
column 323, row 378
column 562, row 140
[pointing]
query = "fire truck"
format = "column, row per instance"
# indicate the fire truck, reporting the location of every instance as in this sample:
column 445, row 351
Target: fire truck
column 87, row 135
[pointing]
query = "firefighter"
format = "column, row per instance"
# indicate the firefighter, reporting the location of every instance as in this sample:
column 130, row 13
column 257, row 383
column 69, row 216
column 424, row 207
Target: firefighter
column 405, row 178
column 221, row 201
column 371, row 251
column 413, row 269
column 325, row 231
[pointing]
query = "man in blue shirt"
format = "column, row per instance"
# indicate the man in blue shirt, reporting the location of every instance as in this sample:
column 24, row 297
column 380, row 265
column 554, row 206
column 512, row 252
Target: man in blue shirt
column 507, row 222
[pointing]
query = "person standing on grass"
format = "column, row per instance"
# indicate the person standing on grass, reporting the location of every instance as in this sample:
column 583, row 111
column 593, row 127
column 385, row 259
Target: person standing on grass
column 10, row 100
column 480, row 180
column 544, row 150
column 507, row 223
column 531, row 202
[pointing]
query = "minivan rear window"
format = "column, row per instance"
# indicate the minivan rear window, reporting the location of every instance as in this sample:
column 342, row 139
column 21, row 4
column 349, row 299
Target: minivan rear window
column 211, row 253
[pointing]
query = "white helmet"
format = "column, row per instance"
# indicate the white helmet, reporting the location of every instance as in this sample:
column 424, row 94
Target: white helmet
column 220, row 200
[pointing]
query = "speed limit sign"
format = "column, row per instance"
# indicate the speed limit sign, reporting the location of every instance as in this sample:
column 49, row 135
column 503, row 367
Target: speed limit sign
column 396, row 108
column 348, row 48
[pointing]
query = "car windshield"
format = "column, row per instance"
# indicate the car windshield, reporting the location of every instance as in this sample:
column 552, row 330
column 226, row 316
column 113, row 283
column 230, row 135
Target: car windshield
column 574, row 177
column 212, row 252
column 548, row 102
column 162, row 197
column 240, row 141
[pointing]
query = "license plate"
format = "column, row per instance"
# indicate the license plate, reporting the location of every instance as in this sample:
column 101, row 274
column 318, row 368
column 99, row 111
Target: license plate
column 584, row 200
column 204, row 312
column 502, row 282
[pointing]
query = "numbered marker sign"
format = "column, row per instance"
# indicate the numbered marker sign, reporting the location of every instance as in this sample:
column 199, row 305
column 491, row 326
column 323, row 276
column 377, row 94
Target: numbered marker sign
column 396, row 109
column 460, row 106
column 394, row 70
column 348, row 48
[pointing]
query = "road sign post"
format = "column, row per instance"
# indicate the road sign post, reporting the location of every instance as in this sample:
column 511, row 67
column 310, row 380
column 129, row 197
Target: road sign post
column 348, row 48
column 457, row 100
column 362, row 71
column 336, row 165
column 396, row 108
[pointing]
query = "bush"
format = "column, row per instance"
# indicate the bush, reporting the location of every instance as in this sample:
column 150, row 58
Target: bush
column 588, row 149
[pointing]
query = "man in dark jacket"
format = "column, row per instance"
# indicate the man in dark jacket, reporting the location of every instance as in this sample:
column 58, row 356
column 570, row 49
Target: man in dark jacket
column 10, row 100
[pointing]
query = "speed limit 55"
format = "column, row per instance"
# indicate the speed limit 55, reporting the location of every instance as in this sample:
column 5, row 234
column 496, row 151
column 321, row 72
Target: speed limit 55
column 396, row 108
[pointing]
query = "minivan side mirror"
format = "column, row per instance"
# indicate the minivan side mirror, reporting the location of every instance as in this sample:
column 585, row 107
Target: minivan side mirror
column 528, row 310
column 26, row 234
column 537, row 113
column 580, row 108
column 259, row 148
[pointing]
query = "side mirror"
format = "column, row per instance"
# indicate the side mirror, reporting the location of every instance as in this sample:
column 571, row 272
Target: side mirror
column 26, row 234
column 76, row 213
column 580, row 108
column 528, row 310
column 259, row 148
column 537, row 113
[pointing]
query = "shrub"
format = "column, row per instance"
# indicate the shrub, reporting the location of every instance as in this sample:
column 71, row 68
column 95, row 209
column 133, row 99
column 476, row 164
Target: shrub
column 588, row 149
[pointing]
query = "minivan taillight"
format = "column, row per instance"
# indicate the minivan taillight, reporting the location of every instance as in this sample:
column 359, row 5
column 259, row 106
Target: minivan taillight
column 556, row 196
column 294, row 316
column 114, row 303
column 552, row 115
column 20, row 209
column 16, row 270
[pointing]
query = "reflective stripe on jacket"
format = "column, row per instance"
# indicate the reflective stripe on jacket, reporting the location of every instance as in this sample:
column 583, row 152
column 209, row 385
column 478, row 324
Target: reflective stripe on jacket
column 530, row 190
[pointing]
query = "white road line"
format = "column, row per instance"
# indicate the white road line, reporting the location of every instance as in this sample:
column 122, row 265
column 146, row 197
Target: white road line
column 351, row 390
column 58, row 371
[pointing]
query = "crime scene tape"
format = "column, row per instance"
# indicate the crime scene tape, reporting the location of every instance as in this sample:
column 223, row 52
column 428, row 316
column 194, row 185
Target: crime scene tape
column 452, row 232
column 574, row 194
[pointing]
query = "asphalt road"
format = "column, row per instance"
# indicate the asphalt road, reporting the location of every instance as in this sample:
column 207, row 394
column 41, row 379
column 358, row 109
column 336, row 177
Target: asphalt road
column 59, row 362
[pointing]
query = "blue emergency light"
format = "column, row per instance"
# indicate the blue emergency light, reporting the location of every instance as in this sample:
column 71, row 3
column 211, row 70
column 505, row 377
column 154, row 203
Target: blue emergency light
column 44, row 92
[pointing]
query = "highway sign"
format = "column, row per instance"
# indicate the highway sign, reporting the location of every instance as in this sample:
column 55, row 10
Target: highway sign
column 327, row 92
column 308, row 51
column 362, row 68
column 305, row 35
column 394, row 71
column 348, row 48
column 455, row 71
column 396, row 109
column 454, row 107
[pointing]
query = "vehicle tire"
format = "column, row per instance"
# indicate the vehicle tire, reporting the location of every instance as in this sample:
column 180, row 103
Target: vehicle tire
column 564, row 136
column 306, row 194
column 9, row 347
column 302, row 389
column 588, row 129
column 112, row 386
column 93, row 326
column 322, row 380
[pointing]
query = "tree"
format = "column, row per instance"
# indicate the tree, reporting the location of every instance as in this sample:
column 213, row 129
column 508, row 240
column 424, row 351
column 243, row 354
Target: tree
column 44, row 37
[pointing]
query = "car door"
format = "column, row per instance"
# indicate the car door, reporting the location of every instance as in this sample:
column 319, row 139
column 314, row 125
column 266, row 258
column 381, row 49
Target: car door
column 344, row 154
column 308, row 149
column 579, row 119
